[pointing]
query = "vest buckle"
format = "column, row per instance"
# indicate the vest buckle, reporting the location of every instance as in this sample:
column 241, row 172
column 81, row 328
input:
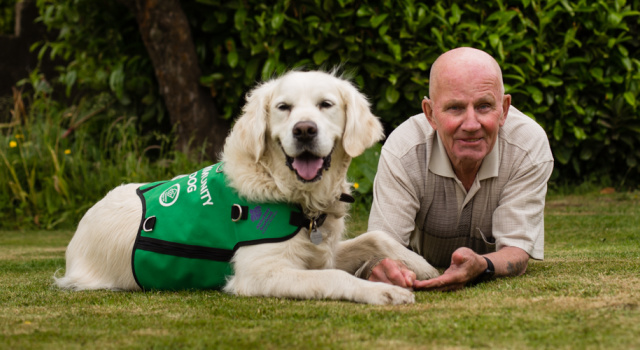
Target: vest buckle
column 239, row 212
column 148, row 224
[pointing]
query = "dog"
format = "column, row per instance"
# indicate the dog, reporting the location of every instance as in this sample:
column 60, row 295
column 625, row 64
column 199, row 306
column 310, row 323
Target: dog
column 292, row 144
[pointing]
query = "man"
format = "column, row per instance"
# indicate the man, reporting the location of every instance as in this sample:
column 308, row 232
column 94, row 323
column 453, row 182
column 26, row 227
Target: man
column 464, row 184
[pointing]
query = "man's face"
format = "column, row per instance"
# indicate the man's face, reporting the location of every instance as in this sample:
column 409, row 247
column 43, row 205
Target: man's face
column 467, row 111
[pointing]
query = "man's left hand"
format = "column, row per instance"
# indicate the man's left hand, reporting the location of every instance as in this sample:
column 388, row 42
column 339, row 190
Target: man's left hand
column 465, row 267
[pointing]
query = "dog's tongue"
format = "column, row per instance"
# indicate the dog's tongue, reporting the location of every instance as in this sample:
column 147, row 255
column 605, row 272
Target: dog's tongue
column 307, row 167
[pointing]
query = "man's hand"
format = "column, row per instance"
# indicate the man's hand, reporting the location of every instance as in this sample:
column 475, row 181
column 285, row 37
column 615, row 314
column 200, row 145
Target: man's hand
column 465, row 267
column 393, row 272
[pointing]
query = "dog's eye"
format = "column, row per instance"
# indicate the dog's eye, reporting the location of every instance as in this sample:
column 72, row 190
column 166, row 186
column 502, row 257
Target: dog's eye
column 283, row 107
column 325, row 104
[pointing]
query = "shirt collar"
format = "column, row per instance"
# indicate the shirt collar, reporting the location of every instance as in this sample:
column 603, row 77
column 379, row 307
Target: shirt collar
column 441, row 165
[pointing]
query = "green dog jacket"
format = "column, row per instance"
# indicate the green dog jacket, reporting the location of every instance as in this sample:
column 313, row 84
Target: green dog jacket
column 192, row 226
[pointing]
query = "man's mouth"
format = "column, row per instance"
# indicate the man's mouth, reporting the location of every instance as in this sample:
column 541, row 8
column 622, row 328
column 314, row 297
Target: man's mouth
column 307, row 166
column 471, row 140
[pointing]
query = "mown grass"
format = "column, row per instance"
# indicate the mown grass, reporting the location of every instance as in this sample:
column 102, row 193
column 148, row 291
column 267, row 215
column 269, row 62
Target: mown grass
column 584, row 295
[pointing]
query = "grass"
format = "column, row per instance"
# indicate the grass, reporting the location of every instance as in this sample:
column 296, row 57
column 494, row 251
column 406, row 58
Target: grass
column 584, row 295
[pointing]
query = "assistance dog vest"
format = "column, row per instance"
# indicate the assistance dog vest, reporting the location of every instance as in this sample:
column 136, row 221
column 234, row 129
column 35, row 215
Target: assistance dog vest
column 192, row 226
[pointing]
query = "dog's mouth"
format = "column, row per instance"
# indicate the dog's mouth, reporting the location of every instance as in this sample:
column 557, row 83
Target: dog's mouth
column 307, row 166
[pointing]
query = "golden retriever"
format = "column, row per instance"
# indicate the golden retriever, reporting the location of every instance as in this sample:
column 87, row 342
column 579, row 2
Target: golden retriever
column 293, row 144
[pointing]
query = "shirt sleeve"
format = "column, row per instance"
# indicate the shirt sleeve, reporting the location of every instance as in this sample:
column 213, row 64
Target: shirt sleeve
column 518, row 221
column 395, row 200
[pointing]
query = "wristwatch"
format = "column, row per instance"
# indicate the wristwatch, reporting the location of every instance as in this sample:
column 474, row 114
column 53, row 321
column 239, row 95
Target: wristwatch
column 486, row 274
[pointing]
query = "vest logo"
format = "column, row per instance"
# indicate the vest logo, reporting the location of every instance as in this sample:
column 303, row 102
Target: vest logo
column 263, row 218
column 170, row 195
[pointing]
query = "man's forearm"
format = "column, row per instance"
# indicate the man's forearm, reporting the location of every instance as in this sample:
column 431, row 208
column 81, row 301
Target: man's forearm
column 509, row 261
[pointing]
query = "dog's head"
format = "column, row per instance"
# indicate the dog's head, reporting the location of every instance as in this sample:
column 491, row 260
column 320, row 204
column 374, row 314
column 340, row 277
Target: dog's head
column 308, row 115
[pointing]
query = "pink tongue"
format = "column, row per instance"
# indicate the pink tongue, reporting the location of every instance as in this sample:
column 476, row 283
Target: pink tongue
column 307, row 168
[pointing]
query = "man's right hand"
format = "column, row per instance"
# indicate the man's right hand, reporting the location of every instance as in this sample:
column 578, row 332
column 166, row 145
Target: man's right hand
column 393, row 272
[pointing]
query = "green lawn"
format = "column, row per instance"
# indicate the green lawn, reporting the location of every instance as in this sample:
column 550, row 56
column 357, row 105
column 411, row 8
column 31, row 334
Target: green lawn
column 584, row 295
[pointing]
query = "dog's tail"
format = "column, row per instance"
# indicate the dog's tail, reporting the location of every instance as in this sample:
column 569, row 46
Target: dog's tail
column 63, row 282
column 84, row 281
column 73, row 282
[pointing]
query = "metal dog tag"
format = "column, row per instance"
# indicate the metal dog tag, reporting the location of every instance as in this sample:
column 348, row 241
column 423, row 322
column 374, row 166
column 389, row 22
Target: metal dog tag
column 315, row 236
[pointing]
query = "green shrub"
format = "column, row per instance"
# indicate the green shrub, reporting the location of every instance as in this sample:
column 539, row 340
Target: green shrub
column 7, row 16
column 99, row 40
column 571, row 65
column 58, row 160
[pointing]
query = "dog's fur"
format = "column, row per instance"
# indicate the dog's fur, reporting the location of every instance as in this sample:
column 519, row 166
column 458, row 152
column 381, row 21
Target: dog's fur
column 262, row 156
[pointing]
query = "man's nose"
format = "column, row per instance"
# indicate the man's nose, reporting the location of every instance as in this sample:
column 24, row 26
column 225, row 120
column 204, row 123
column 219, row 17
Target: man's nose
column 470, row 122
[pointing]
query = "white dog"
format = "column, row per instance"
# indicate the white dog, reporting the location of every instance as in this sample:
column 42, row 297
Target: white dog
column 293, row 144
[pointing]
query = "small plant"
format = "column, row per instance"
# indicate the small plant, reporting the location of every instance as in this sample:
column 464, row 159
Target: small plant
column 58, row 160
column 361, row 173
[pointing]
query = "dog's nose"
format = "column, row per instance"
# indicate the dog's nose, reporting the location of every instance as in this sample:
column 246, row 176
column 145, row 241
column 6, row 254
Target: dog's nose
column 305, row 131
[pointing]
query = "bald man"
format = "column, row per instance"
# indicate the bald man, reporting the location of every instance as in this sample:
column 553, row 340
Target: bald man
column 463, row 184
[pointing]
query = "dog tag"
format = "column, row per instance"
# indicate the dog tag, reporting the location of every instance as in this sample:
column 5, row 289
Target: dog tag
column 315, row 236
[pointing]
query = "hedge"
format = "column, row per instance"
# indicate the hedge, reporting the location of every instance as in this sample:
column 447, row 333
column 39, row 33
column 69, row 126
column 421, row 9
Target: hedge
column 573, row 66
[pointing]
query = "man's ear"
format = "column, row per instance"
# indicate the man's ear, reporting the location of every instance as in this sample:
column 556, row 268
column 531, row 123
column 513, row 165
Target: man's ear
column 427, row 108
column 506, row 103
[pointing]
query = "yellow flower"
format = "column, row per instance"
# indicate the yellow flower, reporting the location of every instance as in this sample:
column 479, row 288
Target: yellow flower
column 355, row 185
column 67, row 151
column 19, row 136
column 13, row 144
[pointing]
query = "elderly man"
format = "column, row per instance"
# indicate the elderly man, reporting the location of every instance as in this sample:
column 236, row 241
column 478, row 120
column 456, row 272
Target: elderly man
column 464, row 187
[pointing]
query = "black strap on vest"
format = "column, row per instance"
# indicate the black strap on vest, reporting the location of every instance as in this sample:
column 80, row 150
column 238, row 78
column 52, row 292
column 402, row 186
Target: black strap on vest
column 239, row 212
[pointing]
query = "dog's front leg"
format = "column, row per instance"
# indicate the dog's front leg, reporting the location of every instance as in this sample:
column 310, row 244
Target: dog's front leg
column 257, row 274
column 353, row 253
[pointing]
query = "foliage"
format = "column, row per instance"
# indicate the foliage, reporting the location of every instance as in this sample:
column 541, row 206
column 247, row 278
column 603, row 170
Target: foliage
column 572, row 65
column 583, row 296
column 7, row 16
column 105, row 53
column 58, row 160
column 361, row 173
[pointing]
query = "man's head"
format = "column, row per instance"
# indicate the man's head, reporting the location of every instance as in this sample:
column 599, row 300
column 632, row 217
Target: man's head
column 467, row 106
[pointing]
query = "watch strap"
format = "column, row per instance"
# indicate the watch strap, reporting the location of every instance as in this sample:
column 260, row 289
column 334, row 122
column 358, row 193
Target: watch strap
column 486, row 275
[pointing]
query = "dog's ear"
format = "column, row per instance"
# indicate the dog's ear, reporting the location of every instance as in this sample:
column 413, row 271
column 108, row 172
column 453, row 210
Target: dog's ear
column 252, row 125
column 362, row 128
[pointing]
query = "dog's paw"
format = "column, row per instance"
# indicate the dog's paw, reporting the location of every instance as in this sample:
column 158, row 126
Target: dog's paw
column 386, row 294
column 420, row 267
column 426, row 272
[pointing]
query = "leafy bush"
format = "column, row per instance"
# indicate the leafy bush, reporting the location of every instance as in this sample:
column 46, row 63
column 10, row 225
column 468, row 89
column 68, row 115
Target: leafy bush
column 105, row 54
column 361, row 173
column 7, row 16
column 58, row 160
column 571, row 65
